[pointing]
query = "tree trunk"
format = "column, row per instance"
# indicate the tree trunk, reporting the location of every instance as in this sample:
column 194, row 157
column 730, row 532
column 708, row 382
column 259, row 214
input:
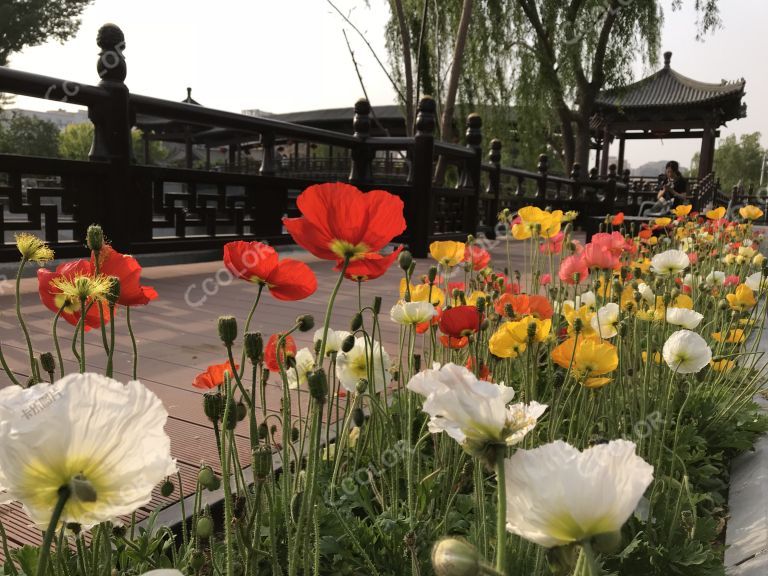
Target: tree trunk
column 446, row 122
column 405, row 38
column 569, row 143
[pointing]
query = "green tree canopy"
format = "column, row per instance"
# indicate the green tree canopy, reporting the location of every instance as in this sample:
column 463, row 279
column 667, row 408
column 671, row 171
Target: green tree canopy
column 29, row 136
column 737, row 159
column 32, row 22
column 76, row 139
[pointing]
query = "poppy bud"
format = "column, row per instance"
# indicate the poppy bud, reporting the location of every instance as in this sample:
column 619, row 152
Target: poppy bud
column 227, row 329
column 166, row 488
column 416, row 362
column 578, row 325
column 204, row 527
column 348, row 343
column 508, row 310
column 607, row 543
column 82, row 489
column 362, row 386
column 231, row 415
column 480, row 305
column 241, row 410
column 196, row 560
column 432, row 274
column 263, row 431
column 295, row 434
column 412, row 268
column 562, row 559
column 47, row 362
column 74, row 527
column 616, row 286
column 94, row 237
column 296, row 505
column 674, row 293
column 357, row 322
column 405, row 260
column 213, row 406
column 305, row 322
column 318, row 385
column 455, row 557
column 206, row 477
column 254, row 346
column 358, row 417
column 723, row 304
column 119, row 530
column 377, row 305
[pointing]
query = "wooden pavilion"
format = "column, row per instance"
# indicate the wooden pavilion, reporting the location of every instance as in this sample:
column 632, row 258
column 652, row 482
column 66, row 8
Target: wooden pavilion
column 665, row 105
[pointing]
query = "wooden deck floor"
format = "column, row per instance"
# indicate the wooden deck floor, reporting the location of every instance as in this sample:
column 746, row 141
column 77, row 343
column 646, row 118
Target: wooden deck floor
column 177, row 339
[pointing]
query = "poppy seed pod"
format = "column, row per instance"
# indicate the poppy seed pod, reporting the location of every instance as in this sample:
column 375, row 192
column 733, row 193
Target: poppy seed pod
column 356, row 323
column 348, row 343
column 318, row 385
column 362, row 386
column 377, row 305
column 432, row 274
column 94, row 237
column 262, row 462
column 254, row 346
column 405, row 260
column 305, row 322
column 167, row 488
column 455, row 557
column 578, row 325
column 227, row 329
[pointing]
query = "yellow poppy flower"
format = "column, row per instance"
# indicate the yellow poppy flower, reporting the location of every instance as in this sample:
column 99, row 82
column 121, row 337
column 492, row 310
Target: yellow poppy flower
column 506, row 342
column 656, row 357
column 750, row 212
column 587, row 358
column 472, row 298
column 661, row 222
column 722, row 365
column 421, row 293
column 447, row 252
column 734, row 336
column 644, row 265
column 681, row 211
column 585, row 314
column 682, row 301
column 743, row 299
column 716, row 214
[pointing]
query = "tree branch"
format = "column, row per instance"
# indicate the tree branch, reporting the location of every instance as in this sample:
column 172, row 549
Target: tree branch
column 362, row 84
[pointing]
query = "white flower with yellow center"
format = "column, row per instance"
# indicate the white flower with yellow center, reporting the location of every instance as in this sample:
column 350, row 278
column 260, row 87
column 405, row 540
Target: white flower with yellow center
column 410, row 313
column 684, row 317
column 715, row 278
column 367, row 360
column 606, row 320
column 473, row 412
column 647, row 293
column 757, row 282
column 333, row 340
column 557, row 495
column 670, row 262
column 88, row 436
column 686, row 352
column 305, row 362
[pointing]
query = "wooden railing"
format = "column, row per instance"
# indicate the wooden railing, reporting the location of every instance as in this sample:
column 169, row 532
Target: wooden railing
column 158, row 209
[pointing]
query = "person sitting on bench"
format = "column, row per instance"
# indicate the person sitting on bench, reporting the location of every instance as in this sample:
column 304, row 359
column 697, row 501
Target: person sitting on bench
column 672, row 188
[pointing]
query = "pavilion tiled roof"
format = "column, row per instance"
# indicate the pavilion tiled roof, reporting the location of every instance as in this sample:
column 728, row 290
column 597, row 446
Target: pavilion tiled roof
column 668, row 88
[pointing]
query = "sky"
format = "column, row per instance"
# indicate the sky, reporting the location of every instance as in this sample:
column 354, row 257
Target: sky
column 291, row 55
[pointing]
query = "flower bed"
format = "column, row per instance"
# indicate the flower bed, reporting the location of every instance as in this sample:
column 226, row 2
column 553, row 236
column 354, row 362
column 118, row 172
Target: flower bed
column 577, row 417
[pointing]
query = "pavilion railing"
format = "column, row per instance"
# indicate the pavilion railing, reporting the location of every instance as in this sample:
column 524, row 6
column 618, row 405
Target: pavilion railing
column 147, row 208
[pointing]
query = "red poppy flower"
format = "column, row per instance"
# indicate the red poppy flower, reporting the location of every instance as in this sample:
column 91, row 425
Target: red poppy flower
column 553, row 245
column 454, row 343
column 270, row 352
column 618, row 219
column 480, row 257
column 256, row 262
column 571, row 268
column 525, row 305
column 128, row 271
column 456, row 286
column 460, row 321
column 213, row 376
column 339, row 221
column 53, row 299
column 371, row 266
column 485, row 372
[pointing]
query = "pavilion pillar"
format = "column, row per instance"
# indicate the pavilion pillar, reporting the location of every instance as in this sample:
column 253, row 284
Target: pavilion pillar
column 622, row 144
column 604, row 156
column 598, row 146
column 231, row 150
column 207, row 157
column 145, row 138
column 707, row 154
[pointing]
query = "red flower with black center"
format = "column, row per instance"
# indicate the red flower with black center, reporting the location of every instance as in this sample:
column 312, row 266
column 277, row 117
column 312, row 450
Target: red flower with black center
column 480, row 257
column 271, row 353
column 256, row 262
column 460, row 321
column 213, row 376
column 126, row 269
column 53, row 299
column 371, row 266
column 340, row 222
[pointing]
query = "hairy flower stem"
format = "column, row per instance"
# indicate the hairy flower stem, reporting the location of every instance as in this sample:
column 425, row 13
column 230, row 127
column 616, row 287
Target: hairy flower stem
column 329, row 311
column 55, row 325
column 7, row 369
column 501, row 510
column 45, row 550
column 588, row 561
column 247, row 326
column 111, row 347
column 133, row 341
column 81, row 329
column 19, row 315
column 225, row 461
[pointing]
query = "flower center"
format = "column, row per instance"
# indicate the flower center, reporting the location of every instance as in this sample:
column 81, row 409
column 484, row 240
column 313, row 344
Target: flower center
column 344, row 249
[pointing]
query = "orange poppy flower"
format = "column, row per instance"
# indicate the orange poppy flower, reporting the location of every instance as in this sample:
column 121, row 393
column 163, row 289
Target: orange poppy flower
column 339, row 221
column 454, row 343
column 460, row 321
column 271, row 355
column 53, row 299
column 126, row 269
column 213, row 376
column 618, row 219
column 256, row 262
column 480, row 257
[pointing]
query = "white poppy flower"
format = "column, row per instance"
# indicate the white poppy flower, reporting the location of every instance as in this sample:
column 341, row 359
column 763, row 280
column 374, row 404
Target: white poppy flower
column 684, row 317
column 686, row 352
column 353, row 366
column 606, row 319
column 690, row 280
column 715, row 278
column 557, row 495
column 647, row 293
column 670, row 262
column 587, row 298
column 305, row 362
column 473, row 412
column 409, row 313
column 101, row 439
column 333, row 340
column 753, row 281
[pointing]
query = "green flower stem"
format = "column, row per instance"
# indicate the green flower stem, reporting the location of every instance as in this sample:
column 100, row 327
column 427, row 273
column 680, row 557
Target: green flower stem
column 45, row 550
column 228, row 539
column 55, row 325
column 329, row 310
column 7, row 369
column 82, row 336
column 590, row 567
column 501, row 510
column 247, row 326
column 133, row 341
column 20, row 316
column 111, row 346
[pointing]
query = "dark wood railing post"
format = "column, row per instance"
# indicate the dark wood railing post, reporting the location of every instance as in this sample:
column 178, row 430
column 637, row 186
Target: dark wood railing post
column 360, row 172
column 419, row 207
column 494, row 188
column 268, row 163
column 112, row 143
column 542, row 168
column 471, row 174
